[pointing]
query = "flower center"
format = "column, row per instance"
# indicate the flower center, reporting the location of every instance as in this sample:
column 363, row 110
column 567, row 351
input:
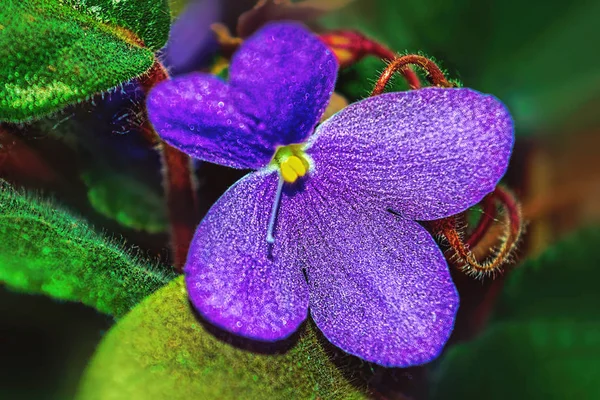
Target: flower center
column 291, row 161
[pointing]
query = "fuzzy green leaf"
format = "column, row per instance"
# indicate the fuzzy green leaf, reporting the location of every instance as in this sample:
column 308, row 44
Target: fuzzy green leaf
column 544, row 342
column 161, row 351
column 45, row 250
column 149, row 20
column 54, row 53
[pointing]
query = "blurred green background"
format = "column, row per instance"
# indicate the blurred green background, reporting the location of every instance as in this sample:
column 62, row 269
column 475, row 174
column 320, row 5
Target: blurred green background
column 539, row 56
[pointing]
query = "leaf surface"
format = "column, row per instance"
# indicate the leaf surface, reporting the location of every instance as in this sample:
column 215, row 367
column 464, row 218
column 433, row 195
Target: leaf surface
column 544, row 341
column 160, row 350
column 54, row 53
column 46, row 250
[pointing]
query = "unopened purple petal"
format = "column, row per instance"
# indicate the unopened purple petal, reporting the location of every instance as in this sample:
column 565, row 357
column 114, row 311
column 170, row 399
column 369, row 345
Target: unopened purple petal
column 289, row 74
column 200, row 115
column 379, row 285
column 427, row 153
column 234, row 278
column 191, row 41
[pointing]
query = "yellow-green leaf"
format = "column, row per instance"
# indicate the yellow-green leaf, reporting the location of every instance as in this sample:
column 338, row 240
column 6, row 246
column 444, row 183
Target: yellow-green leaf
column 160, row 350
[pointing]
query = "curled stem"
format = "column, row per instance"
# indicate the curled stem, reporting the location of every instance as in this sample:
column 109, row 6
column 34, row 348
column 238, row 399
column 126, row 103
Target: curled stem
column 351, row 46
column 434, row 74
column 178, row 180
column 488, row 214
column 464, row 256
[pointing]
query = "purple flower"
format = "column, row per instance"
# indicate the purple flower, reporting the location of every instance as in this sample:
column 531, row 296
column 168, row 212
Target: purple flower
column 310, row 228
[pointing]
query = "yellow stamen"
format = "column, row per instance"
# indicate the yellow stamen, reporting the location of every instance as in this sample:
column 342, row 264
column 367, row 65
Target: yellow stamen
column 297, row 165
column 292, row 162
column 288, row 173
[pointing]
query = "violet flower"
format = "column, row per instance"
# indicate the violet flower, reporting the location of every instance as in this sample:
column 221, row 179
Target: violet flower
column 310, row 228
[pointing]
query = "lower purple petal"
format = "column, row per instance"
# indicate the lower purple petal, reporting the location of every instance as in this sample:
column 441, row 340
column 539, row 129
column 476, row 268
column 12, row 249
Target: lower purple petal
column 379, row 285
column 234, row 278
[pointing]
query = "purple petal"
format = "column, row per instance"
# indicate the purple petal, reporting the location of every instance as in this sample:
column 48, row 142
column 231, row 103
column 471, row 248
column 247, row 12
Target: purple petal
column 281, row 81
column 234, row 278
column 200, row 115
column 290, row 75
column 379, row 285
column 427, row 153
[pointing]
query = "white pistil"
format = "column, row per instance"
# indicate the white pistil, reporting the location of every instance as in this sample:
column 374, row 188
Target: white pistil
column 274, row 210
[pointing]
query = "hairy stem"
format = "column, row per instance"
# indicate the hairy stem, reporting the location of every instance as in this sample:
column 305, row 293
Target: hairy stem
column 488, row 205
column 178, row 180
column 434, row 74
column 355, row 46
column 512, row 225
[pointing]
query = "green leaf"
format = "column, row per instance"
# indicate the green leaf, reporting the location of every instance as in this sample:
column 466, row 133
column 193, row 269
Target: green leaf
column 149, row 20
column 537, row 359
column 127, row 200
column 544, row 342
column 45, row 250
column 177, row 7
column 161, row 351
column 54, row 53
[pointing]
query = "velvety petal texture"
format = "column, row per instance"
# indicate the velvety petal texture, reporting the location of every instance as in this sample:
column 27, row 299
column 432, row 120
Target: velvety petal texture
column 235, row 279
column 427, row 153
column 281, row 80
column 379, row 285
column 200, row 115
column 290, row 75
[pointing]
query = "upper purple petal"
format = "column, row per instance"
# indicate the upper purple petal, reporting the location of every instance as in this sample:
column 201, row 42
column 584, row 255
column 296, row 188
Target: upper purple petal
column 427, row 153
column 290, row 75
column 281, row 80
column 234, row 278
column 379, row 285
column 199, row 114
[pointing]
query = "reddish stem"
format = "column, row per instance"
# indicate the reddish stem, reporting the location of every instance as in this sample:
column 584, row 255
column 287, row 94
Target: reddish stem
column 178, row 180
column 360, row 46
column 513, row 208
column 434, row 73
column 487, row 219
column 513, row 225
